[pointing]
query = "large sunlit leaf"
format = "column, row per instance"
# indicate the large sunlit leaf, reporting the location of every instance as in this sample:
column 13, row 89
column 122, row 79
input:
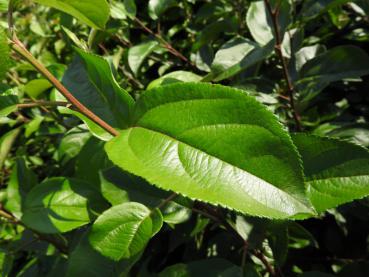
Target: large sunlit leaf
column 337, row 172
column 124, row 230
column 214, row 144
column 94, row 13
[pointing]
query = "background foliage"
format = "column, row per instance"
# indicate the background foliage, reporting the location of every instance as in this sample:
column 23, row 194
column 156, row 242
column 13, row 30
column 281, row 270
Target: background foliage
column 61, row 195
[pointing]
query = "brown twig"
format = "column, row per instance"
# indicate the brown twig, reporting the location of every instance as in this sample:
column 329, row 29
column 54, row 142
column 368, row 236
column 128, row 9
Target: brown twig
column 49, row 238
column 167, row 200
column 164, row 43
column 42, row 103
column 274, row 14
column 18, row 47
column 258, row 254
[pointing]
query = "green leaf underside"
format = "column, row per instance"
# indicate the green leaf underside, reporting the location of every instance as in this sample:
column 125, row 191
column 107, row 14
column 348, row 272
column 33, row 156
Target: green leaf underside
column 124, row 230
column 337, row 172
column 214, row 144
column 94, row 13
column 57, row 205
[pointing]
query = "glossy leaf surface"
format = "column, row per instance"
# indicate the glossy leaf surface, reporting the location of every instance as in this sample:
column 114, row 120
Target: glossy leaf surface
column 214, row 144
column 124, row 230
column 94, row 13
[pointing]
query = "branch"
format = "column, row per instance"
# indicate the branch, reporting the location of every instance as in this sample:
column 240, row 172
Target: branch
column 278, row 49
column 167, row 200
column 42, row 103
column 60, row 245
column 164, row 43
column 18, row 47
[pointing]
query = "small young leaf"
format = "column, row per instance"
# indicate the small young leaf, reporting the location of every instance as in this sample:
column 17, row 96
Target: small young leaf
column 337, row 172
column 138, row 53
column 123, row 10
column 157, row 7
column 124, row 230
column 8, row 102
column 94, row 13
column 6, row 143
column 240, row 158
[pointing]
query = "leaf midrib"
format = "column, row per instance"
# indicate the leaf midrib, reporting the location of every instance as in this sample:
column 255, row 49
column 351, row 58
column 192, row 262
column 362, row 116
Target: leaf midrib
column 186, row 144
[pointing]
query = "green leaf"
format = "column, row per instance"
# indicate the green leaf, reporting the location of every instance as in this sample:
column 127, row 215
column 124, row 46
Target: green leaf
column 95, row 13
column 337, row 63
column 208, row 267
column 138, row 53
column 22, row 180
column 58, row 205
column 176, row 214
column 92, row 151
column 4, row 5
column 5, row 62
column 239, row 158
column 333, row 65
column 175, row 77
column 132, row 187
column 124, row 230
column 236, row 55
column 314, row 8
column 213, row 30
column 157, row 7
column 260, row 23
column 72, row 143
column 35, row 88
column 32, row 126
column 123, row 10
column 8, row 102
column 336, row 172
column 91, row 81
column 6, row 143
column 86, row 261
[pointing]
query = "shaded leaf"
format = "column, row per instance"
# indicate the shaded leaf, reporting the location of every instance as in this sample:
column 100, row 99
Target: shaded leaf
column 58, row 205
column 22, row 180
column 91, row 81
column 337, row 172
